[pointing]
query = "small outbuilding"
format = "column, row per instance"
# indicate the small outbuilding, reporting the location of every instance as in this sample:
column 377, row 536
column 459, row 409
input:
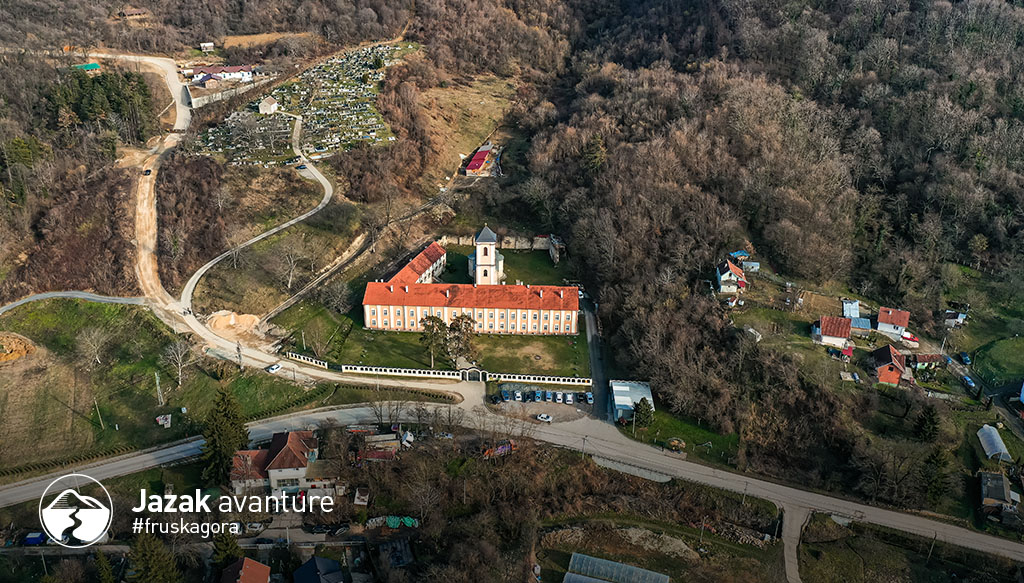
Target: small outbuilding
column 268, row 106
column 626, row 394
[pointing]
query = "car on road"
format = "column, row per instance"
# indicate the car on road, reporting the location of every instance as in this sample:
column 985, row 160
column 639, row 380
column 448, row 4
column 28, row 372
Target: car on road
column 273, row 368
column 519, row 395
column 590, row 398
column 505, row 396
column 254, row 527
column 340, row 529
column 568, row 398
column 495, row 399
column 949, row 360
column 147, row 171
column 969, row 382
column 264, row 541
column 965, row 358
column 544, row 418
column 558, row 396
column 301, row 167
column 317, row 529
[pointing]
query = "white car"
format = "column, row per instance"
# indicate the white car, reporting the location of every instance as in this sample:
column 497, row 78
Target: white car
column 544, row 418
column 273, row 368
column 519, row 396
column 568, row 398
column 558, row 396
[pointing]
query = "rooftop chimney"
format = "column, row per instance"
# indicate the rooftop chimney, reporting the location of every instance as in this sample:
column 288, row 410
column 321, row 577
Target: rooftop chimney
column 447, row 293
column 541, row 293
column 561, row 294
column 391, row 288
column 527, row 286
column 406, row 289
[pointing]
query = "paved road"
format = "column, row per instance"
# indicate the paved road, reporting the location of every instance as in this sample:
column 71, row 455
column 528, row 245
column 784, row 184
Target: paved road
column 77, row 295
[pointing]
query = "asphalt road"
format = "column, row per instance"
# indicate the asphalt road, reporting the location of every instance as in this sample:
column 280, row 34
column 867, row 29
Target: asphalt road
column 77, row 295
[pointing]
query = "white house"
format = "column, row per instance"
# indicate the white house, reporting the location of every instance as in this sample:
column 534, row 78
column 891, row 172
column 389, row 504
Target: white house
column 892, row 321
column 206, row 47
column 730, row 278
column 287, row 466
column 268, row 105
column 626, row 394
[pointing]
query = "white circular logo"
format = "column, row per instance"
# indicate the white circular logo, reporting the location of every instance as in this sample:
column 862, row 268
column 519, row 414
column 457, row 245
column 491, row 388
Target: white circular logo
column 70, row 518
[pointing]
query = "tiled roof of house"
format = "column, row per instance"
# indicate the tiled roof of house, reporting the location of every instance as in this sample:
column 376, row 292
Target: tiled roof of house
column 290, row 450
column 520, row 297
column 893, row 317
column 419, row 264
column 250, row 464
column 246, row 570
column 889, row 355
column 835, row 327
column 728, row 266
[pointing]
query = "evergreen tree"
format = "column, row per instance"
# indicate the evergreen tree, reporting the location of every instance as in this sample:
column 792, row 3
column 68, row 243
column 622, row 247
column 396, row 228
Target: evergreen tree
column 225, row 434
column 594, row 154
column 226, row 549
column 643, row 413
column 434, row 335
column 104, row 572
column 926, row 428
column 153, row 561
column 935, row 475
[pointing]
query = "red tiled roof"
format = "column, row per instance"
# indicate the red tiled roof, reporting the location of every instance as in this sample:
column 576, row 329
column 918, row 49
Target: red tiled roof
column 889, row 355
column 728, row 266
column 419, row 264
column 289, row 450
column 893, row 317
column 246, row 570
column 250, row 464
column 836, row 327
column 521, row 297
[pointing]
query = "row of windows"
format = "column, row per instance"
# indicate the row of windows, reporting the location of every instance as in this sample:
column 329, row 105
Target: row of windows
column 490, row 326
column 490, row 315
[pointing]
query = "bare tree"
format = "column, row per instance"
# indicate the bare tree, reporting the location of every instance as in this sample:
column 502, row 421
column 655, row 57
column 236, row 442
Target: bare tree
column 179, row 358
column 337, row 295
column 92, row 342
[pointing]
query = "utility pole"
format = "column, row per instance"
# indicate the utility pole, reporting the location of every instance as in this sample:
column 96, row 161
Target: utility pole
column 584, row 453
column 703, row 521
column 159, row 391
column 98, row 414
column 238, row 351
column 744, row 501
column 931, row 548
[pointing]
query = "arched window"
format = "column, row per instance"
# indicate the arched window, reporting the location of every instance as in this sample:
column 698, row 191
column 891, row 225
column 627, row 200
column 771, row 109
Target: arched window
column 485, row 273
column 485, row 251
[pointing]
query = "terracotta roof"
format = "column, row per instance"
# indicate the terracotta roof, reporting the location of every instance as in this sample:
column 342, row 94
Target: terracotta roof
column 246, row 570
column 893, row 317
column 889, row 355
column 250, row 464
column 522, row 297
column 728, row 266
column 836, row 327
column 419, row 264
column 289, row 450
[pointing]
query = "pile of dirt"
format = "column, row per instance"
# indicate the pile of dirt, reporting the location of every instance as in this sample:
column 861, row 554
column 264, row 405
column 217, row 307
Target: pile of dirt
column 629, row 537
column 14, row 346
column 662, row 543
column 234, row 326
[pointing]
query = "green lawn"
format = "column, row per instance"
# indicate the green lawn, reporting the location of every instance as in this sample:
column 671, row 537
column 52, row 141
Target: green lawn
column 666, row 426
column 532, row 267
column 997, row 306
column 1001, row 362
column 566, row 356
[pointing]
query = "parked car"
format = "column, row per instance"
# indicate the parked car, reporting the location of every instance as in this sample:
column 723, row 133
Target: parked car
column 264, row 541
column 254, row 527
column 301, row 167
column 34, row 538
column 558, row 396
column 549, row 396
column 856, row 378
column 544, row 418
column 969, row 382
column 147, row 171
column 568, row 398
column 910, row 337
column 519, row 395
column 505, row 396
column 949, row 360
column 537, row 397
column 340, row 529
column 273, row 368
column 495, row 399
column 965, row 358
column 590, row 398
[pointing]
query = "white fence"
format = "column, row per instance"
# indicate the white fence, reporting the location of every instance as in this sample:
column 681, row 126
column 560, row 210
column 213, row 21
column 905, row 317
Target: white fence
column 306, row 359
column 402, row 372
column 200, row 101
column 541, row 379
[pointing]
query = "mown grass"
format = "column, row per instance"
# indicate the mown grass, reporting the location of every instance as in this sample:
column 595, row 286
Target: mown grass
column 703, row 443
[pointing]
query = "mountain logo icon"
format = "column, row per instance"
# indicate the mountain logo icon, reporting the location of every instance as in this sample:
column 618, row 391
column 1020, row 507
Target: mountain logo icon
column 71, row 517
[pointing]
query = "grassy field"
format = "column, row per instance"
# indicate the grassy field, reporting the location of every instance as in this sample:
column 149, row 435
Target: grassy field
column 860, row 553
column 545, row 355
column 701, row 443
column 1001, row 362
column 997, row 306
column 532, row 267
column 53, row 388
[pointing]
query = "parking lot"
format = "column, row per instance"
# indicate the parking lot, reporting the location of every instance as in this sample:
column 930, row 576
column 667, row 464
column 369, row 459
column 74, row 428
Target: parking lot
column 561, row 403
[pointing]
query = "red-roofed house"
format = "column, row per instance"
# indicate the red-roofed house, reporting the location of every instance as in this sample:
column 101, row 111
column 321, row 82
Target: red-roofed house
column 246, row 570
column 832, row 331
column 283, row 467
column 890, row 365
column 402, row 302
column 892, row 321
column 730, row 278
